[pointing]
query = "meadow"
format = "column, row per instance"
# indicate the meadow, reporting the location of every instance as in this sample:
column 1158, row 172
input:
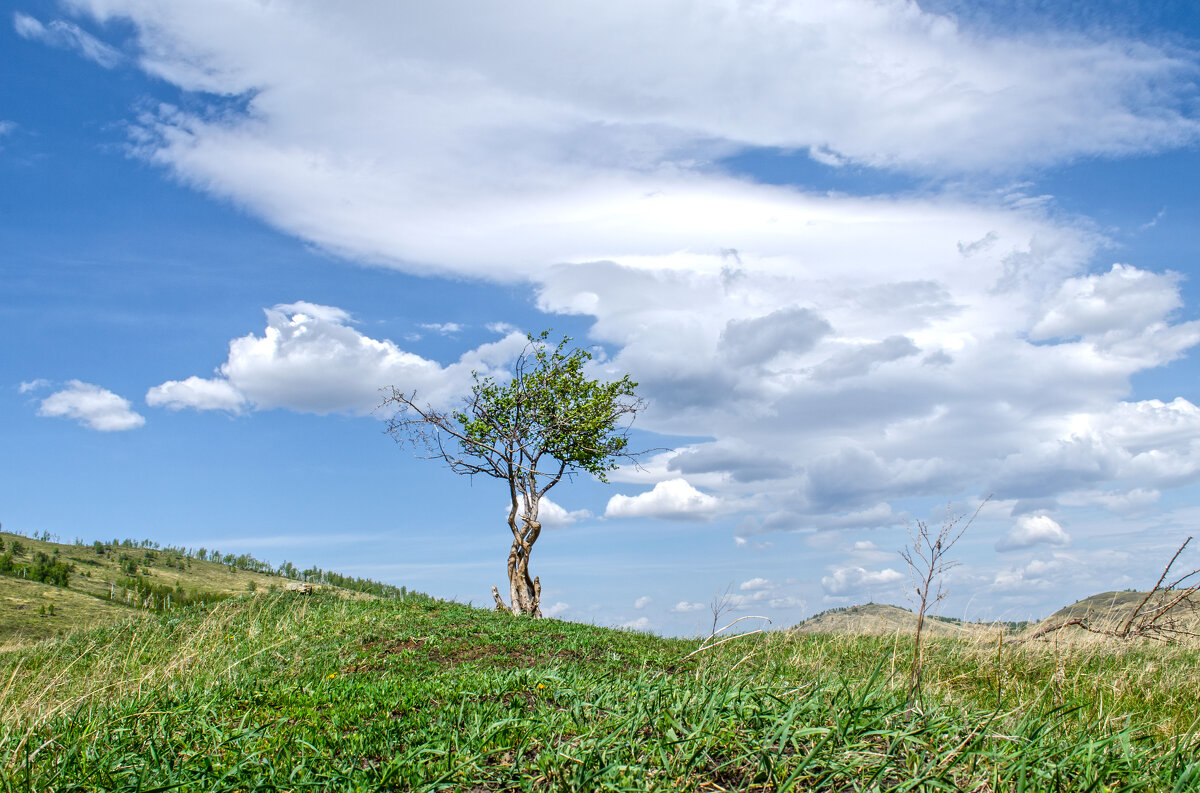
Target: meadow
column 283, row 692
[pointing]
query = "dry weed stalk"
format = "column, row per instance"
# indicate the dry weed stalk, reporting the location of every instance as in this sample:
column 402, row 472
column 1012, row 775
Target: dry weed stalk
column 927, row 562
column 1156, row 616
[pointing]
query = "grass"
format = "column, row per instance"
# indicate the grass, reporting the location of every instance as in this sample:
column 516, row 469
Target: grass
column 294, row 693
column 25, row 605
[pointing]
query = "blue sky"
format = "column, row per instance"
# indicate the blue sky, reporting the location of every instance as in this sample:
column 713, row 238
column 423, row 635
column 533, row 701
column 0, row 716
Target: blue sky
column 865, row 260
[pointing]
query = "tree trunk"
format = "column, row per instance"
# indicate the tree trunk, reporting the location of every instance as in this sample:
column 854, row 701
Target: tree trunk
column 524, row 591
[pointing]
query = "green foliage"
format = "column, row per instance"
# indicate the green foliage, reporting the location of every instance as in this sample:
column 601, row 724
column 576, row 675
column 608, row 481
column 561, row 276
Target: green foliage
column 550, row 407
column 98, row 547
column 49, row 570
column 18, row 548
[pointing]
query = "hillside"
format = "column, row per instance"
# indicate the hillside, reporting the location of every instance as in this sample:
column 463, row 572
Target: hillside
column 326, row 693
column 1112, row 609
column 120, row 580
column 881, row 619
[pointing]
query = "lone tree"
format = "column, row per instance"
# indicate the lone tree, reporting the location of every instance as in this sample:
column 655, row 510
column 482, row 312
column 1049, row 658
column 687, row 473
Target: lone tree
column 548, row 421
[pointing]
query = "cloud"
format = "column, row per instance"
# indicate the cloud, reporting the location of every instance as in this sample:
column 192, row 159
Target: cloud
column 855, row 580
column 93, row 407
column 552, row 516
column 639, row 624
column 445, row 328
column 684, row 607
column 673, row 499
column 756, row 583
column 1114, row 306
column 1031, row 530
column 556, row 610
column 311, row 360
column 642, row 602
column 198, row 394
column 67, row 36
column 27, row 386
column 840, row 352
column 1037, row 574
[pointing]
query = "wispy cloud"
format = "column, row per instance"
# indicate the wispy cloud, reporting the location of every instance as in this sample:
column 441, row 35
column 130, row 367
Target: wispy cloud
column 68, row 36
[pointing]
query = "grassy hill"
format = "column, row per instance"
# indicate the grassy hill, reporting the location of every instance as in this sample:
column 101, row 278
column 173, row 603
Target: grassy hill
column 115, row 581
column 1111, row 609
column 881, row 619
column 325, row 693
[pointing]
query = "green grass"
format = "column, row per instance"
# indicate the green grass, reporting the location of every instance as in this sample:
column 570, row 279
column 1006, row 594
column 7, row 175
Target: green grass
column 325, row 693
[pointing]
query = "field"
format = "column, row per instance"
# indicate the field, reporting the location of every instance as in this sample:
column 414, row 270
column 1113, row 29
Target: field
column 288, row 692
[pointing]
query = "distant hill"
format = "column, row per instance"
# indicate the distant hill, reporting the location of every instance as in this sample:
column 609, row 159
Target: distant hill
column 882, row 619
column 1112, row 609
column 116, row 580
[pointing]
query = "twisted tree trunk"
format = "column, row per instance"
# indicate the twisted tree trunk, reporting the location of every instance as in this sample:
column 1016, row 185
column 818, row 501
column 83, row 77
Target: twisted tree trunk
column 524, row 590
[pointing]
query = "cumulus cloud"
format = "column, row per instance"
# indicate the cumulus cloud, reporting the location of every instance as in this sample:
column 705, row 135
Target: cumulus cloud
column 756, row 583
column 673, row 499
column 1031, row 530
column 642, row 602
column 67, row 36
column 855, row 580
column 93, row 407
column 684, row 607
column 27, row 386
column 1120, row 303
column 311, row 359
column 198, row 394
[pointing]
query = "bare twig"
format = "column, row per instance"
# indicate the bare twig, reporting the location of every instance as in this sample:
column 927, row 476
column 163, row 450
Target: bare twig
column 926, row 557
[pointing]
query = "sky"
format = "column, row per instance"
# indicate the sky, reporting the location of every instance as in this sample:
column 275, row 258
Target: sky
column 871, row 262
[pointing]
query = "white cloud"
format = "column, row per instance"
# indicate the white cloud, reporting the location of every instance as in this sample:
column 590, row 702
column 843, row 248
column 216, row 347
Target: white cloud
column 7, row 127
column 756, row 583
column 1118, row 304
column 865, row 545
column 639, row 624
column 684, row 607
column 445, row 328
column 552, row 516
column 558, row 609
column 93, row 407
column 32, row 385
column 309, row 359
column 196, row 393
column 68, row 36
column 642, row 602
column 1037, row 574
column 856, row 580
column 1031, row 530
column 673, row 499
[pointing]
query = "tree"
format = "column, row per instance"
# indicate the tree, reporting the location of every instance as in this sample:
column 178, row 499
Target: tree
column 547, row 422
